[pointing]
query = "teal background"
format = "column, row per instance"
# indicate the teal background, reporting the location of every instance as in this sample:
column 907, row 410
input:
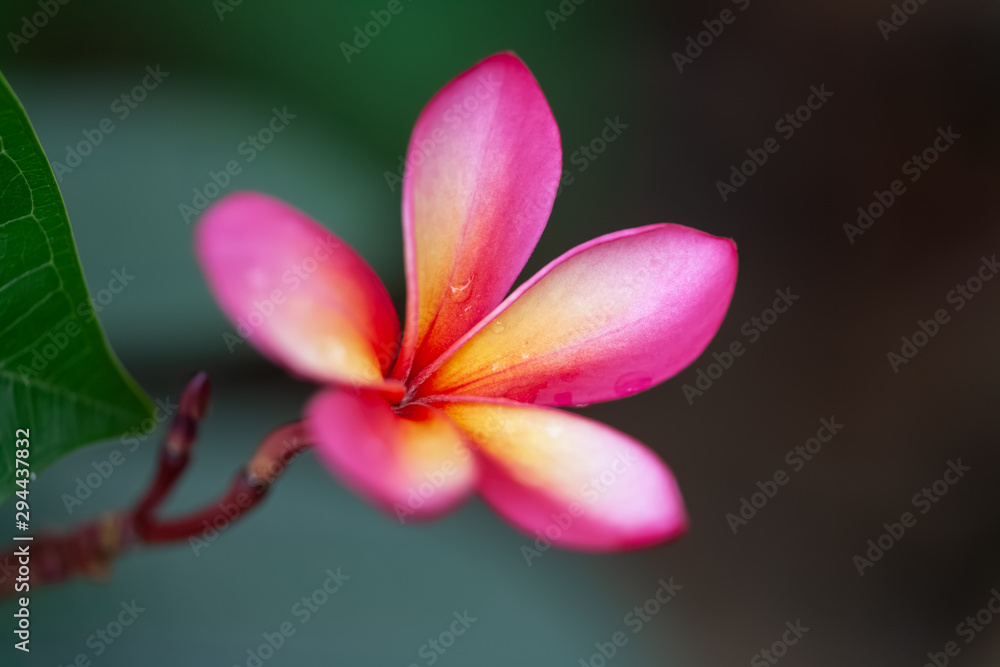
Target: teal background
column 826, row 357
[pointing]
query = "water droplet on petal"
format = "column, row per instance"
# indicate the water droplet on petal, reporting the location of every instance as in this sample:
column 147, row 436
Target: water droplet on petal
column 461, row 291
column 633, row 383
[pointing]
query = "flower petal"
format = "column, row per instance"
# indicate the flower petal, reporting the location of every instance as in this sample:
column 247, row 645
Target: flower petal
column 484, row 162
column 577, row 482
column 301, row 295
column 414, row 464
column 607, row 319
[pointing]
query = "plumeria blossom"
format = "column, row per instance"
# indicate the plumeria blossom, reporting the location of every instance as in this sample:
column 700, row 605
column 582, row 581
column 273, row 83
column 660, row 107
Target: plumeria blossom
column 465, row 398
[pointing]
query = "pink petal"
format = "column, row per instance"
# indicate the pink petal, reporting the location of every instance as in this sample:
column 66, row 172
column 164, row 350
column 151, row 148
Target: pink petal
column 414, row 464
column 484, row 163
column 573, row 481
column 607, row 319
column 301, row 295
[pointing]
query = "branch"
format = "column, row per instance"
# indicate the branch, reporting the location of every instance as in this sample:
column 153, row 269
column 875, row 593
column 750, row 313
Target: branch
column 90, row 548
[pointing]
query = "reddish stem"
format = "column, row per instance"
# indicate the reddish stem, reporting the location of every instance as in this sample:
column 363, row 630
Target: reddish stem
column 90, row 548
column 241, row 496
column 277, row 450
column 175, row 452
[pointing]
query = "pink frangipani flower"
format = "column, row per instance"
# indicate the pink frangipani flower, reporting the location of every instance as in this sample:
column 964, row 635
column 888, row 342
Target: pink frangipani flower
column 464, row 400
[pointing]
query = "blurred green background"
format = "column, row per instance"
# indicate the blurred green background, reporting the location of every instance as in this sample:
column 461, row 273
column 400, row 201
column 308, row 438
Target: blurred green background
column 827, row 356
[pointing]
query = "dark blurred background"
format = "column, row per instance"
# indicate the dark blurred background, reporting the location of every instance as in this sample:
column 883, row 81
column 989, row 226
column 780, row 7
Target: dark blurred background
column 893, row 87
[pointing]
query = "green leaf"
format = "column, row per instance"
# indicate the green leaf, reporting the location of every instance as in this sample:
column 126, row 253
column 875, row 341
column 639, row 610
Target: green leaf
column 58, row 377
